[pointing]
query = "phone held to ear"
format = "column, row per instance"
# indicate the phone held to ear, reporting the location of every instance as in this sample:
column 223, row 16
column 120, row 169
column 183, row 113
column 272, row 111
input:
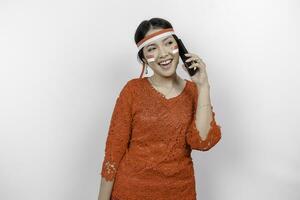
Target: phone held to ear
column 182, row 51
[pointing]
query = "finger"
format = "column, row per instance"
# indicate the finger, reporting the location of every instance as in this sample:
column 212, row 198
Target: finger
column 188, row 54
column 190, row 59
column 194, row 65
column 193, row 58
column 200, row 67
column 191, row 54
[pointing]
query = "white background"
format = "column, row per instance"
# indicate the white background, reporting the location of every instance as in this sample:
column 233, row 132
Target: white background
column 63, row 63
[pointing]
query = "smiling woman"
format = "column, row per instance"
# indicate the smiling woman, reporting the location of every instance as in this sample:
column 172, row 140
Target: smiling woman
column 151, row 50
column 153, row 126
column 158, row 49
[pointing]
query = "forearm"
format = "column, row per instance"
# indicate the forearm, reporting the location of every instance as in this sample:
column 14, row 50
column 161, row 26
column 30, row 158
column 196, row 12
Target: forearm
column 105, row 189
column 203, row 113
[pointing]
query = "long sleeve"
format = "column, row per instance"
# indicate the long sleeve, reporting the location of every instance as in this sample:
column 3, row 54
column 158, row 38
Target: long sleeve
column 118, row 134
column 193, row 138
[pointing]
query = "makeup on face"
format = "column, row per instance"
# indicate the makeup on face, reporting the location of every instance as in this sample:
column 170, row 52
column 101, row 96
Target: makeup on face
column 151, row 57
column 175, row 49
column 147, row 40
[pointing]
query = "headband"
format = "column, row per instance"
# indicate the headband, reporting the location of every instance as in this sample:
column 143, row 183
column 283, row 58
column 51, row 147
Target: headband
column 152, row 37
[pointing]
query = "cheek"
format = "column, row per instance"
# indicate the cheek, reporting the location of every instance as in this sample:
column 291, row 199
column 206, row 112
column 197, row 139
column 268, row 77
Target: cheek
column 174, row 49
column 150, row 58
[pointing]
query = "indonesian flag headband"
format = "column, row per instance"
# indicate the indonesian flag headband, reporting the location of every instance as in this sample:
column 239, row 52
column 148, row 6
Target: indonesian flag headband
column 153, row 37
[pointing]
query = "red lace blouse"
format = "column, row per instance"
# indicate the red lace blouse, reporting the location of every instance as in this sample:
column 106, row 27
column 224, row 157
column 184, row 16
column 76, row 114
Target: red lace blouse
column 149, row 143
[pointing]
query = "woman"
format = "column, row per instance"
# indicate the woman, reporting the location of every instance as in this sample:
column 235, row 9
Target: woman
column 156, row 123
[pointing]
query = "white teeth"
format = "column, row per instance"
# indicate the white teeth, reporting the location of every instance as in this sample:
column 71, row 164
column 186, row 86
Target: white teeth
column 165, row 62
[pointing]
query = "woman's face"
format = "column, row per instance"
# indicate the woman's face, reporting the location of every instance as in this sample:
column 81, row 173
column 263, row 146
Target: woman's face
column 161, row 50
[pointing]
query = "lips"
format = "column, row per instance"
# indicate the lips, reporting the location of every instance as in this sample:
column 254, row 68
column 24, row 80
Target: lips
column 166, row 66
column 168, row 60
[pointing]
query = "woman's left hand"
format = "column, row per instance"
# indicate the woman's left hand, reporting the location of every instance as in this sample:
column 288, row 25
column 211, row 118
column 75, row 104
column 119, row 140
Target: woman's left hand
column 200, row 77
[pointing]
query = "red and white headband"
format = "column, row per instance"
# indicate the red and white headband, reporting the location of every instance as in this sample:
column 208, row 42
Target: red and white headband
column 152, row 37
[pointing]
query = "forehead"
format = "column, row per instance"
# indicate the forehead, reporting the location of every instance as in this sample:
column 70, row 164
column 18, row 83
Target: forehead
column 159, row 39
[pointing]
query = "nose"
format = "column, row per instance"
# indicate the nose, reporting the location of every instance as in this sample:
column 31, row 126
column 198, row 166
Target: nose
column 162, row 52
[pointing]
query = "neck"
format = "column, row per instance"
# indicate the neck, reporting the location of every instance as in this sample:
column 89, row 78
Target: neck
column 165, row 81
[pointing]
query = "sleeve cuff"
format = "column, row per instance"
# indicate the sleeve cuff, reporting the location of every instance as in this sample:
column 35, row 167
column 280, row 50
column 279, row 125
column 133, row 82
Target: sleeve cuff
column 196, row 142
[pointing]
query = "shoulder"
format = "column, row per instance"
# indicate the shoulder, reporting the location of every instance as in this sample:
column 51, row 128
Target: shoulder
column 132, row 83
column 192, row 90
column 193, row 86
column 192, row 83
column 130, row 86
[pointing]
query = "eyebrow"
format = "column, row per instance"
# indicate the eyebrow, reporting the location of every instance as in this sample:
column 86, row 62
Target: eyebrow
column 162, row 40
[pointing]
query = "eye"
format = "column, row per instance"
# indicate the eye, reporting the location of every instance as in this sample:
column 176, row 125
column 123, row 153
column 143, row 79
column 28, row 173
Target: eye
column 150, row 49
column 170, row 42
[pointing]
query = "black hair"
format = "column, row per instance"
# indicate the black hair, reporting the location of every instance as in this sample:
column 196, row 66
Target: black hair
column 145, row 26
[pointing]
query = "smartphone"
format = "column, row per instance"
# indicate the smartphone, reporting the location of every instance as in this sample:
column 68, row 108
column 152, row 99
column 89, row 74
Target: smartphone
column 182, row 51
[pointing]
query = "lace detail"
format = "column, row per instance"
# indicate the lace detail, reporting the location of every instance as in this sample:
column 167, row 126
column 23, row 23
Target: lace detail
column 109, row 170
column 196, row 142
column 149, row 143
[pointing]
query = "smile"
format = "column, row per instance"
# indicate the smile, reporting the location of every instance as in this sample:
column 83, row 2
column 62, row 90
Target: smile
column 166, row 64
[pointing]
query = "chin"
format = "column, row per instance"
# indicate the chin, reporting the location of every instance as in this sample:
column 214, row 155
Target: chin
column 168, row 72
